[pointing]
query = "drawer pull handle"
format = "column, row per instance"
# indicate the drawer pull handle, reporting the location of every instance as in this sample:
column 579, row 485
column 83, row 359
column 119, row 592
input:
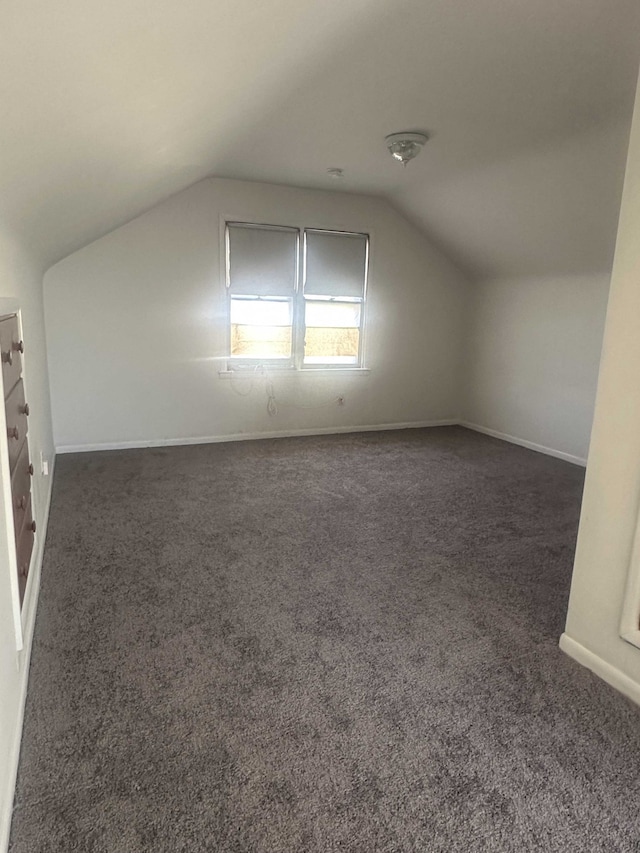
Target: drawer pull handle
column 18, row 346
column 22, row 502
column 31, row 468
column 32, row 527
column 24, row 410
column 7, row 358
column 12, row 432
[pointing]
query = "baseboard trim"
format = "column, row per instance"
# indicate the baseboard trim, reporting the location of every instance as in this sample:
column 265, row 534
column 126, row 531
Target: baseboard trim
column 613, row 676
column 522, row 442
column 24, row 657
column 292, row 433
column 250, row 436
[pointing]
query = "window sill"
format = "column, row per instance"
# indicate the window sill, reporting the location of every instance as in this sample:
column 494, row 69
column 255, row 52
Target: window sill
column 292, row 371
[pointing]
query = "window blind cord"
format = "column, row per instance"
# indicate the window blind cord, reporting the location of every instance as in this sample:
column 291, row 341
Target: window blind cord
column 272, row 403
column 250, row 387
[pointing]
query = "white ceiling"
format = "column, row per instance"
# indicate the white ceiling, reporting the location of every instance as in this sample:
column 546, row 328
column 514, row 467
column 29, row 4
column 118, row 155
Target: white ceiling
column 109, row 107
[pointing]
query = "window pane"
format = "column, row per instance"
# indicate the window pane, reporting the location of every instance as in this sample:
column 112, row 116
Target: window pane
column 332, row 334
column 337, row 314
column 261, row 328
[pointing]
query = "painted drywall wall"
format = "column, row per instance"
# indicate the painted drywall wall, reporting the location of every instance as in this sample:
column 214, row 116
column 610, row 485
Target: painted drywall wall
column 21, row 285
column 612, row 488
column 136, row 326
column 532, row 359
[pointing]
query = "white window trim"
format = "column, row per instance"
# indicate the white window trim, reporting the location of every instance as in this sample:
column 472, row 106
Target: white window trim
column 291, row 371
column 295, row 365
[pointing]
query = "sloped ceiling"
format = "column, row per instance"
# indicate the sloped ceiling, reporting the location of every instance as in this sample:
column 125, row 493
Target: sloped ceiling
column 109, row 107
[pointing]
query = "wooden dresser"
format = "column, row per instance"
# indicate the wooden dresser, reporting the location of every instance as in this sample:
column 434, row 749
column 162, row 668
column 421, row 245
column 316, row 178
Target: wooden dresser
column 21, row 469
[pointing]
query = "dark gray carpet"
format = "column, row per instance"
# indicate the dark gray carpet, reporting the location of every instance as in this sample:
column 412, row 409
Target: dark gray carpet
column 343, row 643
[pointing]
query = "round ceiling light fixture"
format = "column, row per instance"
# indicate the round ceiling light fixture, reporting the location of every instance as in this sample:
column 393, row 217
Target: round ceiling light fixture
column 406, row 145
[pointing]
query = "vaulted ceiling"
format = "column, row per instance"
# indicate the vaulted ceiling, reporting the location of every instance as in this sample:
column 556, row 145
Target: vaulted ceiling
column 107, row 108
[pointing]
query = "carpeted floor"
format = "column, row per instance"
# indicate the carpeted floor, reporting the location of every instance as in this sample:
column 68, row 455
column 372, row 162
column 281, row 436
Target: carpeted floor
column 339, row 643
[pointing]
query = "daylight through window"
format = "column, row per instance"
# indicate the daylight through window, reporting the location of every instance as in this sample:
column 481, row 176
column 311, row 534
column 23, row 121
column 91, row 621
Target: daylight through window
column 296, row 299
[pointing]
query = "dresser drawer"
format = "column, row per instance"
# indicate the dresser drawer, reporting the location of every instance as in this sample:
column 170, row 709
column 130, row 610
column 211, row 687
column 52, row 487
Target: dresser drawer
column 10, row 349
column 21, row 487
column 16, row 411
column 24, row 547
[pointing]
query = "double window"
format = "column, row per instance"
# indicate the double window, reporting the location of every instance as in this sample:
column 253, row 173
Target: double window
column 296, row 298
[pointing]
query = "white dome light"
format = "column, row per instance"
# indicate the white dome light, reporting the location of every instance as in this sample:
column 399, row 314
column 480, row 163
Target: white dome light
column 406, row 145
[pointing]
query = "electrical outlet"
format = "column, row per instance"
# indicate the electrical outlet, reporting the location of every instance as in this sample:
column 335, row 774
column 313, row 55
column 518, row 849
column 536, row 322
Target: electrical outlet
column 44, row 465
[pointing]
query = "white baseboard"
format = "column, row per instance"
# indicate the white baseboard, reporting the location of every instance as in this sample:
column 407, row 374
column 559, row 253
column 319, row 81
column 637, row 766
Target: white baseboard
column 249, row 436
column 29, row 608
column 291, row 433
column 522, row 442
column 613, row 676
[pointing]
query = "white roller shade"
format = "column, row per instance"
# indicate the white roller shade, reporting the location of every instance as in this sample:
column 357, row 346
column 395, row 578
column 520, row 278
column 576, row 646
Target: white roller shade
column 335, row 264
column 262, row 261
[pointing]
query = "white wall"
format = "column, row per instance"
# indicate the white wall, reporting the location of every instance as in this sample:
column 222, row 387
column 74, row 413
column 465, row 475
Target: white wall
column 136, row 326
column 532, row 360
column 21, row 285
column 612, row 489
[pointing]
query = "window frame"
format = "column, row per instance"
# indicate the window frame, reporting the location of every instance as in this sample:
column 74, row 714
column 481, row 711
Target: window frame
column 251, row 364
column 298, row 330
